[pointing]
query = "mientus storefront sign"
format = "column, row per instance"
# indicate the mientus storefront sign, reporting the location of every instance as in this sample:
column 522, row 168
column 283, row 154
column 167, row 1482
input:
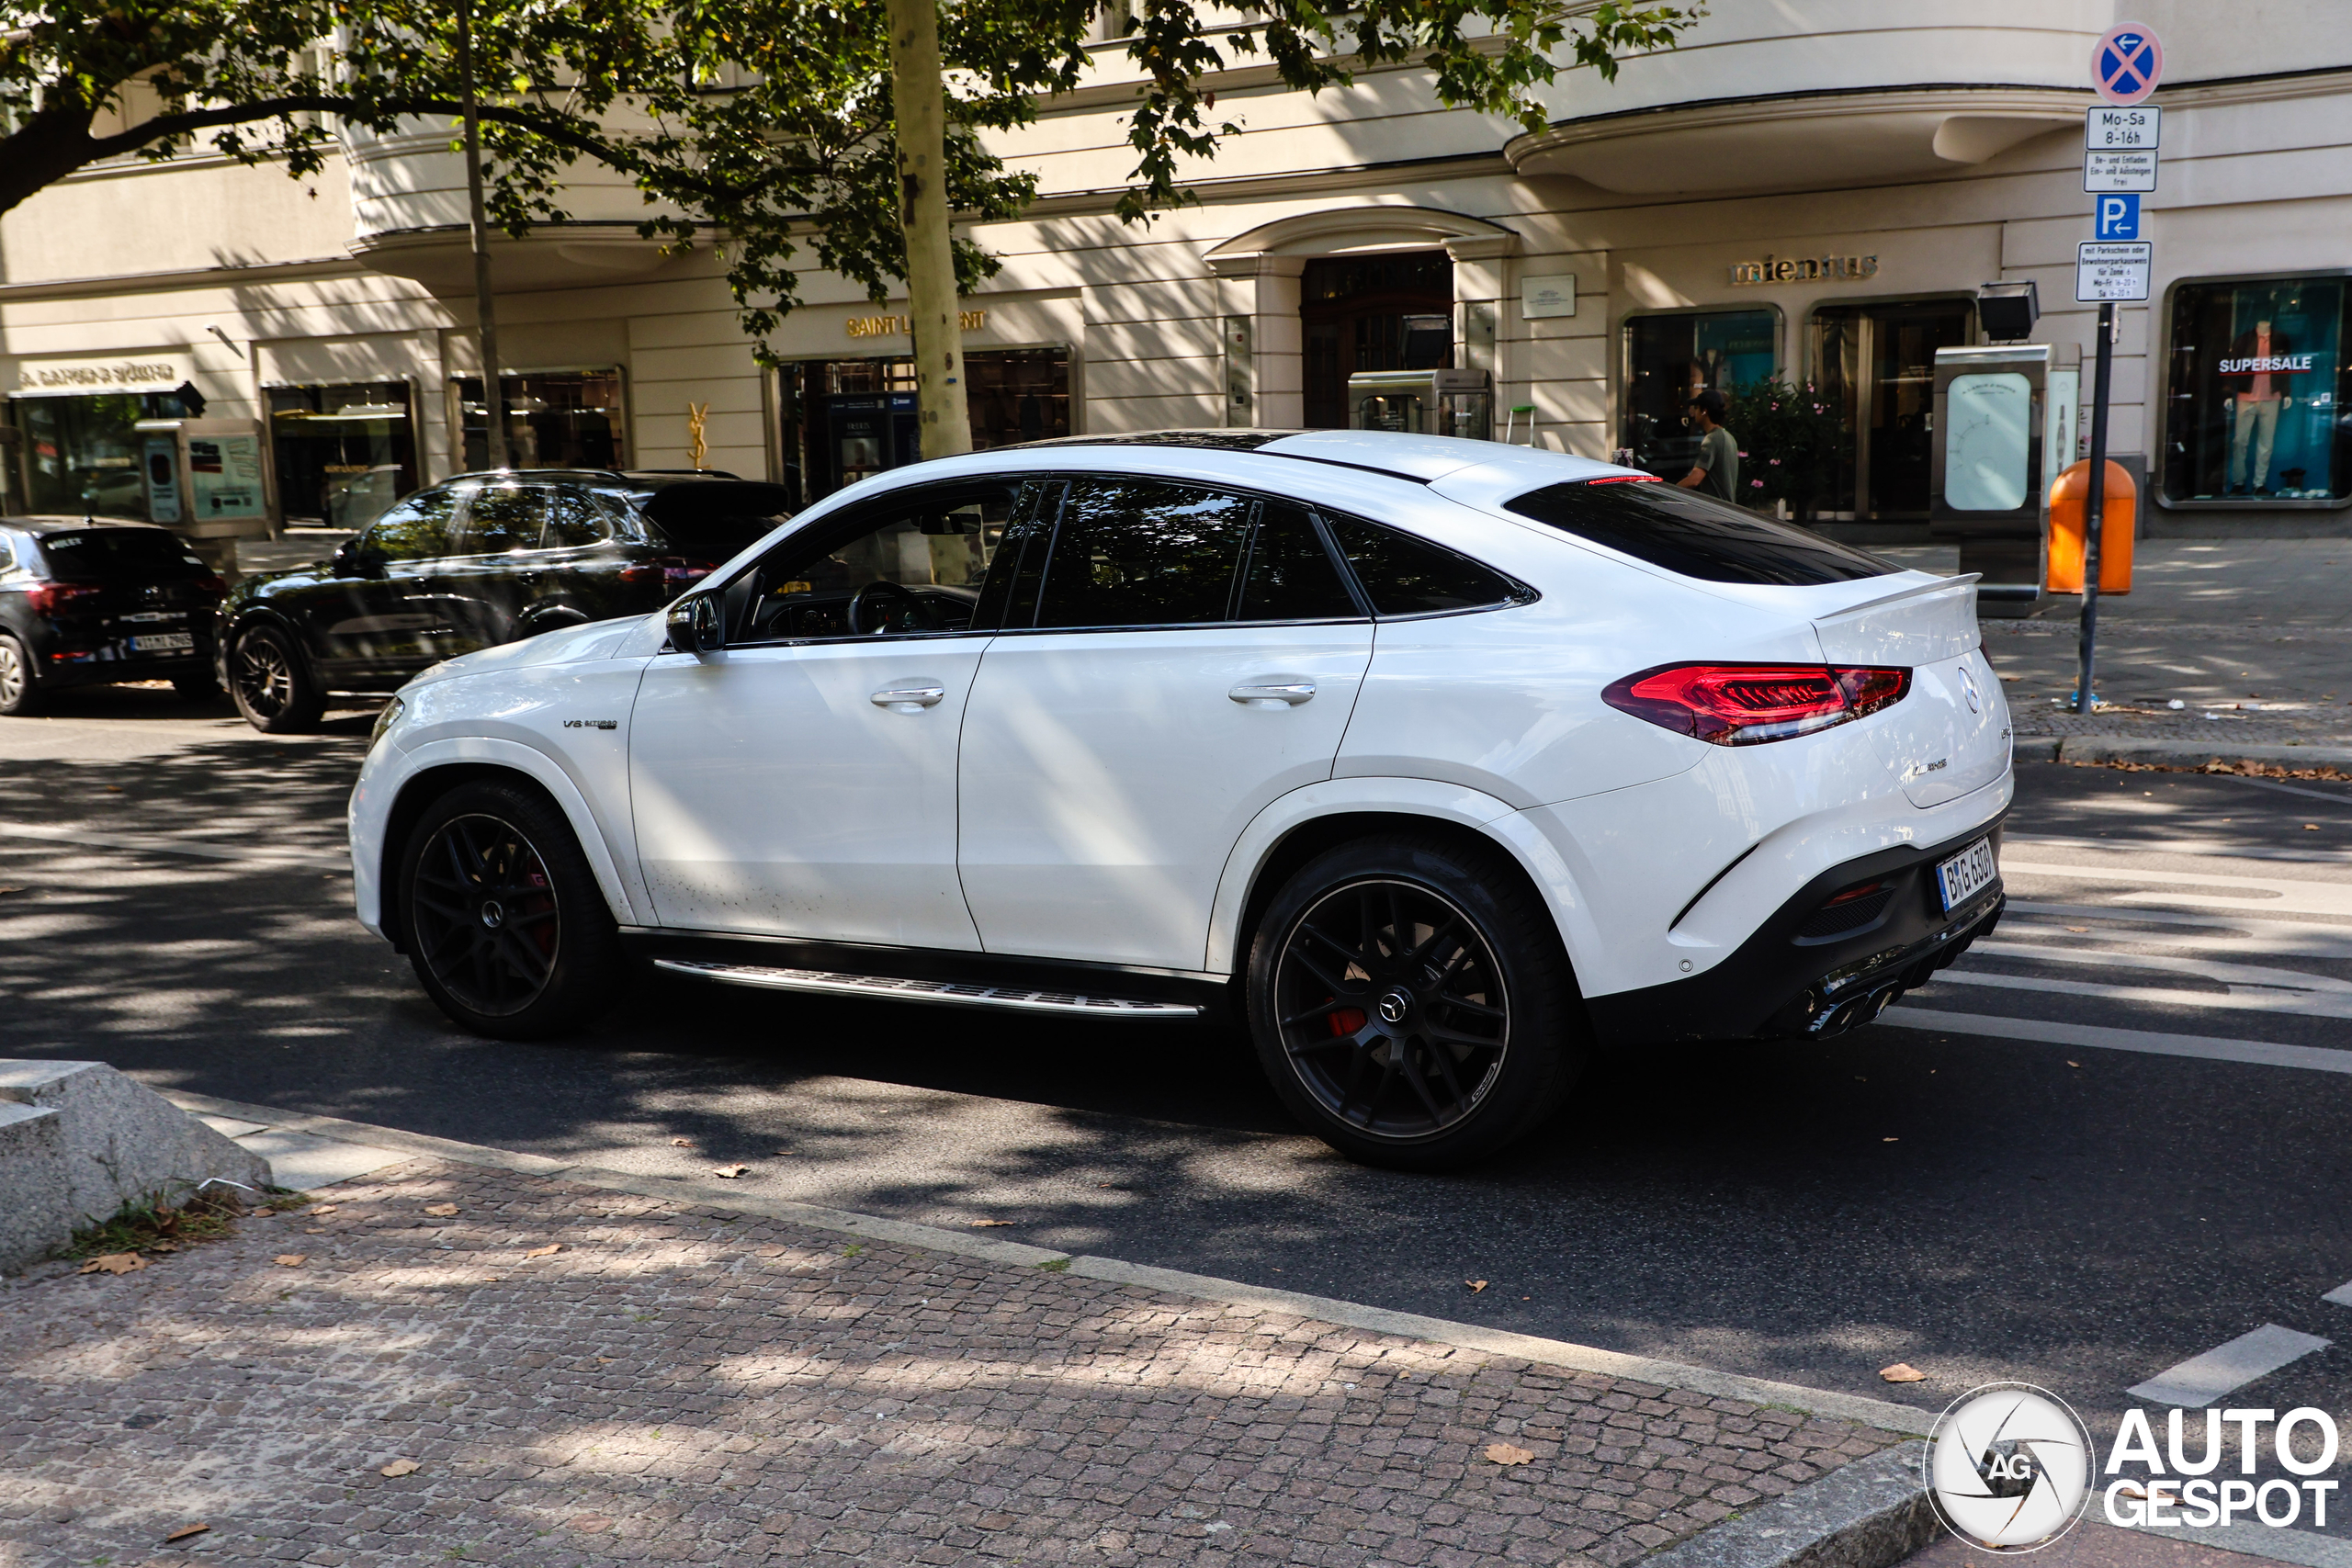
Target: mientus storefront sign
column 1804, row 269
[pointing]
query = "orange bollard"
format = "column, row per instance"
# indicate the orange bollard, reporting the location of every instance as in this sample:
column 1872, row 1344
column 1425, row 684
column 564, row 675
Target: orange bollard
column 2069, row 498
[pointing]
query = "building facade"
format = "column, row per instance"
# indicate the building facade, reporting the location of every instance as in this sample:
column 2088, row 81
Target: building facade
column 1813, row 190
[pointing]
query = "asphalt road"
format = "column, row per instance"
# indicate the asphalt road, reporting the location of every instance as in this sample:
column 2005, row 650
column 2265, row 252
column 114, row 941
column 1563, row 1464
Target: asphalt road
column 2081, row 1212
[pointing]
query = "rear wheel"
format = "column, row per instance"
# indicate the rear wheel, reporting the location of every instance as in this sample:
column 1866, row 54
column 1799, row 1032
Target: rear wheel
column 1411, row 1002
column 272, row 682
column 17, row 694
column 505, row 925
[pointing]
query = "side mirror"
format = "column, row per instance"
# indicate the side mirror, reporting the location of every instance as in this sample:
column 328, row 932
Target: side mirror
column 346, row 555
column 694, row 626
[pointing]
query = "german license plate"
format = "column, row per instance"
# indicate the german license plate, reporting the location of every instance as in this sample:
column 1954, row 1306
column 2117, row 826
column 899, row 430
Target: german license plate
column 163, row 642
column 1966, row 875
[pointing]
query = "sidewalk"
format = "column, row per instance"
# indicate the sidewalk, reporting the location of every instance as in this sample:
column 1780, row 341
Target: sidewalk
column 2255, row 633
column 569, row 1374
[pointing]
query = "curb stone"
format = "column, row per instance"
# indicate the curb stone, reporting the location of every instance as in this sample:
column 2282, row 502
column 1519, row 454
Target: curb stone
column 1870, row 1513
column 2177, row 754
column 1884, row 1415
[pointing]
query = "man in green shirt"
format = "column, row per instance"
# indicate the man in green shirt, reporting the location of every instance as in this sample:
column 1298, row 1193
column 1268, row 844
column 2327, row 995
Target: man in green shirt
column 1715, row 469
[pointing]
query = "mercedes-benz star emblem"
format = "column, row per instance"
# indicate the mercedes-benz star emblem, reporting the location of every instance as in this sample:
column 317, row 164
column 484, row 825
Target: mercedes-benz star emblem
column 1395, row 1006
column 1968, row 690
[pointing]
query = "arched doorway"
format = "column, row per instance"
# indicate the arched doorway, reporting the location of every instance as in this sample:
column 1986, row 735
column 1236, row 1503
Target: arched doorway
column 1393, row 311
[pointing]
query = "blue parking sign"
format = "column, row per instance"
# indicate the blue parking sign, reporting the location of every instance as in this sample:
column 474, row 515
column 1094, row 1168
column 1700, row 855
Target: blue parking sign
column 2118, row 216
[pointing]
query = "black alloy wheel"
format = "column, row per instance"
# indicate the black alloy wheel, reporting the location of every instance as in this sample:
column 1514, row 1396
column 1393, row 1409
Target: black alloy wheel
column 18, row 695
column 271, row 684
column 1412, row 1004
column 505, row 926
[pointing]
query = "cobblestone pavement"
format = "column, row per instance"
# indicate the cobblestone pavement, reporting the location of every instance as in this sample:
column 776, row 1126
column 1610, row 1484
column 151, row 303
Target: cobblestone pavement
column 680, row 1383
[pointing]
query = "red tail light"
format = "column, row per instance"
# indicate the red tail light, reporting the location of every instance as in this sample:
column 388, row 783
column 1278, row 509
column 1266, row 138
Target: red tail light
column 671, row 572
column 1640, row 478
column 49, row 598
column 1746, row 705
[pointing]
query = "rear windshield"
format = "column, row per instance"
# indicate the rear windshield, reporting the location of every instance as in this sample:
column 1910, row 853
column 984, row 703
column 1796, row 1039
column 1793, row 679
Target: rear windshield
column 716, row 535
column 117, row 554
column 1695, row 534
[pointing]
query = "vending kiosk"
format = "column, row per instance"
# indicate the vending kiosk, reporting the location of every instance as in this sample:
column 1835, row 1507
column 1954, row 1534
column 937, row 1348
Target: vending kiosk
column 2004, row 418
column 1426, row 402
column 209, row 481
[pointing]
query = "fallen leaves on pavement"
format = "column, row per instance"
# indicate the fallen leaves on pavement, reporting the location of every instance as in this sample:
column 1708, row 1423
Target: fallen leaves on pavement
column 549, row 1251
column 1475, row 1285
column 115, row 1263
column 984, row 1224
column 682, row 1143
column 399, row 1467
column 440, row 1211
column 1504, row 1453
column 184, row 1532
column 1903, row 1371
column 291, row 1259
column 731, row 1171
column 324, row 1208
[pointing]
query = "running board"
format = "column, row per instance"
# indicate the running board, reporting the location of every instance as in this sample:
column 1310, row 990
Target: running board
column 950, row 992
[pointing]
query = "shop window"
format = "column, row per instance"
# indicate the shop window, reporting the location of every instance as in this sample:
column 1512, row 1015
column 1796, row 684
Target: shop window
column 2254, row 393
column 1670, row 360
column 82, row 455
column 1378, row 312
column 344, row 451
column 567, row 419
column 844, row 419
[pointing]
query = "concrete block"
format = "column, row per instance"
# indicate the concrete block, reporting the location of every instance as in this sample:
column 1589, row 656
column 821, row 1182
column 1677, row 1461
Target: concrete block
column 122, row 1141
column 33, row 1217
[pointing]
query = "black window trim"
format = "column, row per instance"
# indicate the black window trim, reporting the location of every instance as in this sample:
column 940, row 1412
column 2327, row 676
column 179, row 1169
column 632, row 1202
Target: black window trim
column 893, row 500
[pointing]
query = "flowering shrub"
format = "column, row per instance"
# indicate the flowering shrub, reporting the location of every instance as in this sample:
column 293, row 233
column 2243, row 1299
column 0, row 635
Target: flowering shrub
column 1793, row 444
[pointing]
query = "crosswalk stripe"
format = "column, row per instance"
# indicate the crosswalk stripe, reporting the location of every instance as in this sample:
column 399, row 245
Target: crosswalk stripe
column 2097, row 1037
column 2272, row 894
column 2203, row 1379
column 2155, row 996
column 2257, row 974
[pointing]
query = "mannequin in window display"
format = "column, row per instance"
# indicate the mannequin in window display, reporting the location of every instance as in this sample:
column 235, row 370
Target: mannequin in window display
column 2262, row 396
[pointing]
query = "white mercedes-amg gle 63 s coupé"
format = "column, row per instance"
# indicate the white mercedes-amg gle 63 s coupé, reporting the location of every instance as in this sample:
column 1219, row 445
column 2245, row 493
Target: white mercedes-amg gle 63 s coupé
column 1440, row 764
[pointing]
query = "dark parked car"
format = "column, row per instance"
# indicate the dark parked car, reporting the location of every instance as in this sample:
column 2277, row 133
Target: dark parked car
column 479, row 560
column 86, row 602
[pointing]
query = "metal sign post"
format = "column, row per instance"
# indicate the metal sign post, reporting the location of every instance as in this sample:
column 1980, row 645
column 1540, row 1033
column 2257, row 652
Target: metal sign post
column 2119, row 166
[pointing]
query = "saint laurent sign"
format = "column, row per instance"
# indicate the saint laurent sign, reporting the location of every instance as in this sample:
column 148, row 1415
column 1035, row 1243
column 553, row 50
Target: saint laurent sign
column 1804, row 269
column 896, row 326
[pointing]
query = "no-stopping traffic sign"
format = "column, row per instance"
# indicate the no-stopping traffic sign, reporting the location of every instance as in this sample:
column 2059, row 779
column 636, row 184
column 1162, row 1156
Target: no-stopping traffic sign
column 2127, row 63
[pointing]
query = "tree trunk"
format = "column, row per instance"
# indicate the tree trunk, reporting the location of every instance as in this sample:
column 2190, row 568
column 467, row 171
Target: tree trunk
column 932, row 309
column 494, row 401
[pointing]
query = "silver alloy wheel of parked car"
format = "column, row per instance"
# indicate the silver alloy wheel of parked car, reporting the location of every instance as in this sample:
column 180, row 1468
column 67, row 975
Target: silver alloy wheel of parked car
column 16, row 677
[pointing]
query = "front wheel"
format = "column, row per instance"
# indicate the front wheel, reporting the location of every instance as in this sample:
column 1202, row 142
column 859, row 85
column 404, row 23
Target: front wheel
column 1412, row 1004
column 505, row 926
column 272, row 682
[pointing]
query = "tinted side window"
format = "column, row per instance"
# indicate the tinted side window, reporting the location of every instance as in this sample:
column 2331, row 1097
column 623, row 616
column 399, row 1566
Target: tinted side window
column 1406, row 576
column 504, row 518
column 416, row 529
column 1696, row 535
column 114, row 555
column 1290, row 577
column 7, row 554
column 573, row 520
column 1144, row 553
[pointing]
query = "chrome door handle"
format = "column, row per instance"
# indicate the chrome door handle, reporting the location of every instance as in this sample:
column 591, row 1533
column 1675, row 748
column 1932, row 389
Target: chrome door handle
column 913, row 697
column 1290, row 693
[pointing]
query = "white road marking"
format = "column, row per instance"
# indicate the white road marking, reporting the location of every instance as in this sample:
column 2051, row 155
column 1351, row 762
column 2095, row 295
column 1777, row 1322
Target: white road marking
column 2204, row 968
column 2097, row 1037
column 2204, row 849
column 2203, row 1379
column 2270, row 894
column 2153, row 995
column 2341, row 1296
column 2218, row 933
column 148, row 843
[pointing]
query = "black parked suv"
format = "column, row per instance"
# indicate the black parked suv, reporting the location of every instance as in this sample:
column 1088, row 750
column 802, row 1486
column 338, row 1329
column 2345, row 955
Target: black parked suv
column 479, row 560
column 84, row 603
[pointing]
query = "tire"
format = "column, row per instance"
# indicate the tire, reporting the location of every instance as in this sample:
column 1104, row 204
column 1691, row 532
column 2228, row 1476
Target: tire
column 503, row 920
column 19, row 697
column 201, row 687
column 272, row 682
column 1431, row 1055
